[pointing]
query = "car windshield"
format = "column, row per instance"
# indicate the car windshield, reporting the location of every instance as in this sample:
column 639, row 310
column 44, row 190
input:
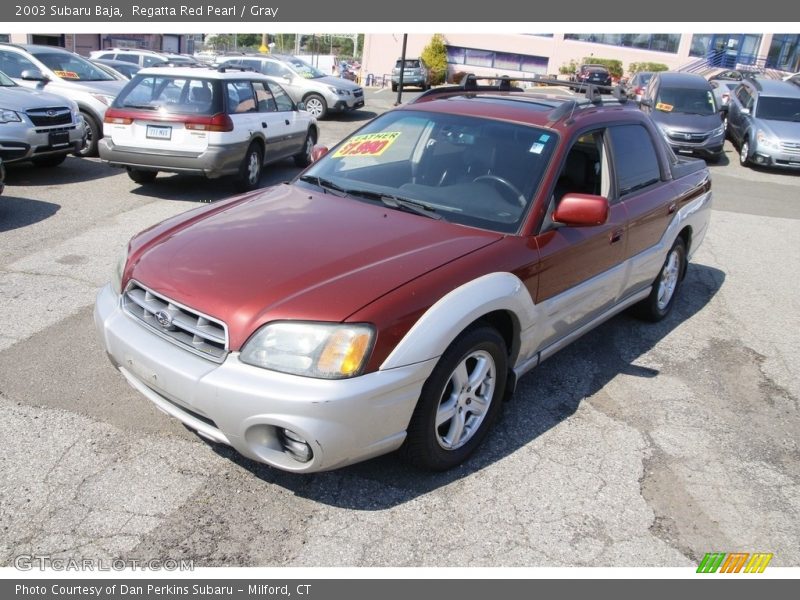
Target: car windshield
column 778, row 109
column 174, row 95
column 466, row 170
column 410, row 64
column 304, row 69
column 6, row 81
column 691, row 101
column 72, row 67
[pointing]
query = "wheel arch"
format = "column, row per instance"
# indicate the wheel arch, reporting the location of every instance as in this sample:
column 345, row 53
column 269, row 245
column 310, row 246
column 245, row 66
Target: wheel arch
column 500, row 300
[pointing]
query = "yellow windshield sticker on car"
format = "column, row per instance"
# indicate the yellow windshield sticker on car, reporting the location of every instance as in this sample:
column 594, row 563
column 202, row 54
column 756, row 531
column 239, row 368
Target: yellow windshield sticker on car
column 665, row 107
column 67, row 74
column 368, row 144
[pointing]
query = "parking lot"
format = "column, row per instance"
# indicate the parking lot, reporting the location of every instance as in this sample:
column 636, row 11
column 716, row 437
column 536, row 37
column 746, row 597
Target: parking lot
column 639, row 445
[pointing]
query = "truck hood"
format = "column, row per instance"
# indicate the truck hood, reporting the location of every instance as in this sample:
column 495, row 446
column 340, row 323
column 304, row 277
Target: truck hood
column 291, row 253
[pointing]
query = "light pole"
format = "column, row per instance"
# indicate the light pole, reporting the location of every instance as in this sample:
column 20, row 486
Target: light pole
column 402, row 70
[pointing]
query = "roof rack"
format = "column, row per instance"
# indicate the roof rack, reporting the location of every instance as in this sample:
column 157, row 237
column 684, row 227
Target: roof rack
column 225, row 67
column 469, row 83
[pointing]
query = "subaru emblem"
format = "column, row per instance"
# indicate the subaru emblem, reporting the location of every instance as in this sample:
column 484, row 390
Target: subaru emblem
column 164, row 319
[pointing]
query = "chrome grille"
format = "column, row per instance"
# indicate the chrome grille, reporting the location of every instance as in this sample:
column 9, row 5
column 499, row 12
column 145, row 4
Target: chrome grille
column 791, row 148
column 680, row 136
column 45, row 117
column 183, row 326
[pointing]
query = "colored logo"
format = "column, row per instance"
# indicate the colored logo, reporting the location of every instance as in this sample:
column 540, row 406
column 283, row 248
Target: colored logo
column 734, row 562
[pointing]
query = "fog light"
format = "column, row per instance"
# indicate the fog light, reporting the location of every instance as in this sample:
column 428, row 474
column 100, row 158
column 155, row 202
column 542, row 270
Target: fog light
column 294, row 445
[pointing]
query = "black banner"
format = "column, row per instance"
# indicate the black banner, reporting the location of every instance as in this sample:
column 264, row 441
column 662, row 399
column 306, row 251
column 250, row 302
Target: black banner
column 409, row 11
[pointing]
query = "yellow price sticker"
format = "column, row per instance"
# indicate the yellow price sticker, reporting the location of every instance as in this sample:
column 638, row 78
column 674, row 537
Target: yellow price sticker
column 664, row 107
column 67, row 74
column 369, row 144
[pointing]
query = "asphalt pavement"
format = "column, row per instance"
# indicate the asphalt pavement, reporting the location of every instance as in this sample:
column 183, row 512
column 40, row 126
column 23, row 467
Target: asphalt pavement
column 639, row 445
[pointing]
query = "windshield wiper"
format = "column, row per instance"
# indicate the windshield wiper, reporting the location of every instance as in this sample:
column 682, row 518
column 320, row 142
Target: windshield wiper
column 325, row 184
column 399, row 203
column 143, row 106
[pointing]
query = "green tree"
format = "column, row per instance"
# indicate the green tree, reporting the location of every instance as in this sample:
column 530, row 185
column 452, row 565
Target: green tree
column 637, row 67
column 435, row 56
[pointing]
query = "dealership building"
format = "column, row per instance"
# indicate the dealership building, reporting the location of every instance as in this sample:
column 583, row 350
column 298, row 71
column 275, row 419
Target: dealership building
column 539, row 54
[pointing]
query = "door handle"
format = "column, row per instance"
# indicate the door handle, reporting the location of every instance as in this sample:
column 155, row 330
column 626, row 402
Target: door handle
column 616, row 235
column 286, row 121
column 263, row 125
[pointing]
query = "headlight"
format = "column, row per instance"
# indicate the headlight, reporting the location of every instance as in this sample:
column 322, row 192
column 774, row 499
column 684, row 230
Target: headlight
column 107, row 100
column 322, row 350
column 119, row 269
column 718, row 131
column 9, row 116
column 664, row 129
column 337, row 91
column 765, row 139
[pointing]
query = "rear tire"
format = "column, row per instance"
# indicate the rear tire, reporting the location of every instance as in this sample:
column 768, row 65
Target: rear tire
column 303, row 159
column 394, row 87
column 142, row 177
column 666, row 286
column 459, row 401
column 49, row 161
column 316, row 106
column 250, row 172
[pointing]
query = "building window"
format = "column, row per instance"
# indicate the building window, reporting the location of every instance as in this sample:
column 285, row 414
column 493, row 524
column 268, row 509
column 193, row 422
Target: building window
column 507, row 61
column 5, row 37
column 784, row 52
column 657, row 42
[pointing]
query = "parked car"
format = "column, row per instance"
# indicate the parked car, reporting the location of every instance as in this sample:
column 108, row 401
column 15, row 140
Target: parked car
column 37, row 126
column 415, row 73
column 64, row 73
column 205, row 121
column 683, row 106
column 637, row 84
column 596, row 74
column 736, row 75
column 764, row 123
column 321, row 93
column 392, row 295
column 135, row 56
column 117, row 68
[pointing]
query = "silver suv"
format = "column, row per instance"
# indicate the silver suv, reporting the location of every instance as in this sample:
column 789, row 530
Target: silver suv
column 64, row 73
column 37, row 126
column 320, row 93
column 764, row 122
column 415, row 73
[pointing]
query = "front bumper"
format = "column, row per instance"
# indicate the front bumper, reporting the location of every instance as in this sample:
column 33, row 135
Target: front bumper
column 23, row 141
column 343, row 421
column 213, row 162
column 770, row 157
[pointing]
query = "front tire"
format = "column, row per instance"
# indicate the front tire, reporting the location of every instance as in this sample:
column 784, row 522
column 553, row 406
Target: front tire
column 666, row 286
column 459, row 401
column 250, row 170
column 744, row 153
column 93, row 134
column 316, row 106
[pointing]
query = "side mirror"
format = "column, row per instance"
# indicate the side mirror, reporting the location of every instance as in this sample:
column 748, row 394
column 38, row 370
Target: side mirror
column 287, row 76
column 318, row 152
column 647, row 103
column 33, row 75
column 723, row 109
column 301, row 105
column 581, row 210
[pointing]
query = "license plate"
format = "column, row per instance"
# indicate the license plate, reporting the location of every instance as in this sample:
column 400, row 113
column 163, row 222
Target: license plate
column 159, row 133
column 59, row 138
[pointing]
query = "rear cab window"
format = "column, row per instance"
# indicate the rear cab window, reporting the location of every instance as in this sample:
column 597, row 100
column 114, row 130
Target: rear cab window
column 635, row 158
column 176, row 95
